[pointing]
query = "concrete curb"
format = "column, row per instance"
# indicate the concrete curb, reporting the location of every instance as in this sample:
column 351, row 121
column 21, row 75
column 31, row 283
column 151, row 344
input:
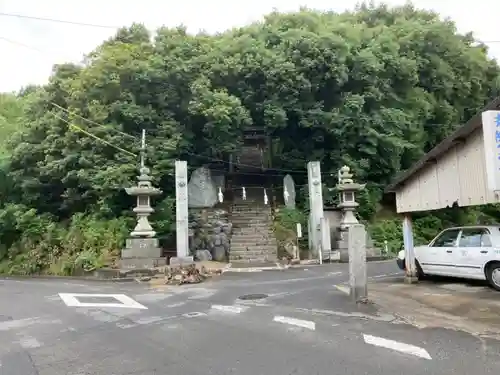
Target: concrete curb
column 277, row 267
column 68, row 278
column 316, row 263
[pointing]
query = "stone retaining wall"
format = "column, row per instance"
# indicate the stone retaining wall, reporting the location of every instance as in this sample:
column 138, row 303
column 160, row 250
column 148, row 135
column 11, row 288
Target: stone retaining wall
column 210, row 233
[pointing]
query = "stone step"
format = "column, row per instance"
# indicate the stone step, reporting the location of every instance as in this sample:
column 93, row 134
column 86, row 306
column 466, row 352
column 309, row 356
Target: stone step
column 251, row 226
column 252, row 235
column 251, row 208
column 244, row 239
column 237, row 215
column 254, row 259
column 269, row 257
column 253, row 204
column 251, row 219
column 252, row 256
column 257, row 249
column 247, row 216
column 255, row 235
column 250, row 247
column 266, row 219
column 252, row 239
column 251, row 229
column 245, row 244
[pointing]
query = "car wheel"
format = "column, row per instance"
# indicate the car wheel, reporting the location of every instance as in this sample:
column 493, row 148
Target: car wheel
column 493, row 275
column 420, row 274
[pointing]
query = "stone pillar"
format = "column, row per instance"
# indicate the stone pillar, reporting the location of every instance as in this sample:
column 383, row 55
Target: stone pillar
column 316, row 205
column 357, row 262
column 182, row 213
column 326, row 241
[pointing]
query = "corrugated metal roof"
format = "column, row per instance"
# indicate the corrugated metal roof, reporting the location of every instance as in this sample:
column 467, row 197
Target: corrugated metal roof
column 461, row 133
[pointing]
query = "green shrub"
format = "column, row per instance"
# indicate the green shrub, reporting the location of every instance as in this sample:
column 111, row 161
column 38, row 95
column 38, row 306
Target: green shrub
column 34, row 243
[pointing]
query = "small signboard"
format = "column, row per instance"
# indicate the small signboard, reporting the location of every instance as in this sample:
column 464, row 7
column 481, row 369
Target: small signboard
column 491, row 140
column 299, row 230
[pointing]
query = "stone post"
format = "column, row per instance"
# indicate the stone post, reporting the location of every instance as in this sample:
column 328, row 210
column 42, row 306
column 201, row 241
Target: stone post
column 326, row 241
column 357, row 262
column 316, row 206
column 182, row 213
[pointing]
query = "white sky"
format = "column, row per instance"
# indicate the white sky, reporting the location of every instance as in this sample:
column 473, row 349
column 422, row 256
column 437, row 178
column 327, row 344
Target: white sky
column 53, row 42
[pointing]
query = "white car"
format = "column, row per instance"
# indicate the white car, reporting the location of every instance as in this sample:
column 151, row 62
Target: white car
column 471, row 252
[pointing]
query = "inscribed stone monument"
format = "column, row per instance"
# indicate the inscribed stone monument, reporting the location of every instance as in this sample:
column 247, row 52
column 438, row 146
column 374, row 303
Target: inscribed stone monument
column 181, row 203
column 202, row 191
column 316, row 205
column 289, row 191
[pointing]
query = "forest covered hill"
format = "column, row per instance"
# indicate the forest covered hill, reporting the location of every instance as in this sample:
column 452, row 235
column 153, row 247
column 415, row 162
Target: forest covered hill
column 374, row 88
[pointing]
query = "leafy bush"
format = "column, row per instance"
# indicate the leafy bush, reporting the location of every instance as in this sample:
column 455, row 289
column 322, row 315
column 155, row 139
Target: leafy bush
column 390, row 230
column 34, row 243
column 285, row 227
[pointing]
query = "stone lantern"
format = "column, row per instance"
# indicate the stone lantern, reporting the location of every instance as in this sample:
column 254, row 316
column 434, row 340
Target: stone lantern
column 142, row 250
column 143, row 191
column 347, row 189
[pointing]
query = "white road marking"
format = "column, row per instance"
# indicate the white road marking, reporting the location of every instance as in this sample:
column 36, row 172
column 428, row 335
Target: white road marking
column 229, row 309
column 396, row 345
column 334, row 273
column 296, row 322
column 343, row 288
column 71, row 299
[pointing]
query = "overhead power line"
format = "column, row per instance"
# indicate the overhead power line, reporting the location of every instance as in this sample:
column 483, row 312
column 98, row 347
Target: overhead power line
column 22, row 16
column 77, row 128
column 15, row 42
column 76, row 23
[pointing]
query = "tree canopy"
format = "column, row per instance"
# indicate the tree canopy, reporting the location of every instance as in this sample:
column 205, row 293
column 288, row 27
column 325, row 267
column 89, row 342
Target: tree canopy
column 373, row 88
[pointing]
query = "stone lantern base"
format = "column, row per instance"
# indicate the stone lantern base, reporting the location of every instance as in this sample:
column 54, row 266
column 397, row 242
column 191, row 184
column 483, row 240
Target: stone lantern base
column 142, row 253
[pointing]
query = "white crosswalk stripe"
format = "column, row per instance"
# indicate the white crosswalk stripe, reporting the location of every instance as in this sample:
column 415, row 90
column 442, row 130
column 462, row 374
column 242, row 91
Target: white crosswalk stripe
column 234, row 309
column 397, row 346
column 296, row 322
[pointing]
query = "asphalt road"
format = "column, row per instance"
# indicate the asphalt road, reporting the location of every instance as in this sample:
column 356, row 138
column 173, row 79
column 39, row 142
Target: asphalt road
column 304, row 325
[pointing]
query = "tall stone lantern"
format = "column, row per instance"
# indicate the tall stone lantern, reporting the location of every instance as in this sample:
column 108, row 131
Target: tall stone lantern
column 347, row 189
column 142, row 249
column 143, row 193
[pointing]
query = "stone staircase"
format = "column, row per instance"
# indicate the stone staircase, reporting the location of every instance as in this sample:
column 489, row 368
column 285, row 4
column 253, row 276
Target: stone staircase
column 253, row 239
column 250, row 156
